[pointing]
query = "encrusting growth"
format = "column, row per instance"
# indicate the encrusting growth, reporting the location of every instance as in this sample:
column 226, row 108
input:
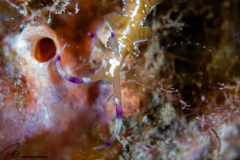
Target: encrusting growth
column 127, row 29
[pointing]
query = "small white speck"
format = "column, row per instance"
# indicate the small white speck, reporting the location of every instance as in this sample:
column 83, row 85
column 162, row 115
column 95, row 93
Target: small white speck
column 117, row 101
column 76, row 8
column 145, row 119
column 85, row 80
column 46, row 116
column 49, row 18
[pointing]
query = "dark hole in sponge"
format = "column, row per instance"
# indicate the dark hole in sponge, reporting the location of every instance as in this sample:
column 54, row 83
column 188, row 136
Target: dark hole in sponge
column 45, row 49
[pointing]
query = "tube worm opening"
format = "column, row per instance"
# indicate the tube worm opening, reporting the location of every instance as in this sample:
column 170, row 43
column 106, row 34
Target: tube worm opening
column 45, row 49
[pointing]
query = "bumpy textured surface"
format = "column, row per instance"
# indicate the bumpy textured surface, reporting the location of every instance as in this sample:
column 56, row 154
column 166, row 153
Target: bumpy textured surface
column 179, row 91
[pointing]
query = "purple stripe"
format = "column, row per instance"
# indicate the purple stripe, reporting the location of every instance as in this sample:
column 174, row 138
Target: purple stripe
column 108, row 144
column 104, row 146
column 112, row 35
column 91, row 35
column 74, row 79
column 59, row 58
column 118, row 113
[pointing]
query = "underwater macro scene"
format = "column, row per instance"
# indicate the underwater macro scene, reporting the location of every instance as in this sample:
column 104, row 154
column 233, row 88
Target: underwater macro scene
column 166, row 82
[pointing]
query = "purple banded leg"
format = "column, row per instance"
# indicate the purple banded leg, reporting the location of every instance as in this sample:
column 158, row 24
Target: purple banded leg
column 118, row 102
column 78, row 80
column 117, row 127
column 101, row 47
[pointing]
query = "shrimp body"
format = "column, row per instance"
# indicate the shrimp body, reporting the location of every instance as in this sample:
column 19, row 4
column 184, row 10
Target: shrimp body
column 128, row 25
column 127, row 29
